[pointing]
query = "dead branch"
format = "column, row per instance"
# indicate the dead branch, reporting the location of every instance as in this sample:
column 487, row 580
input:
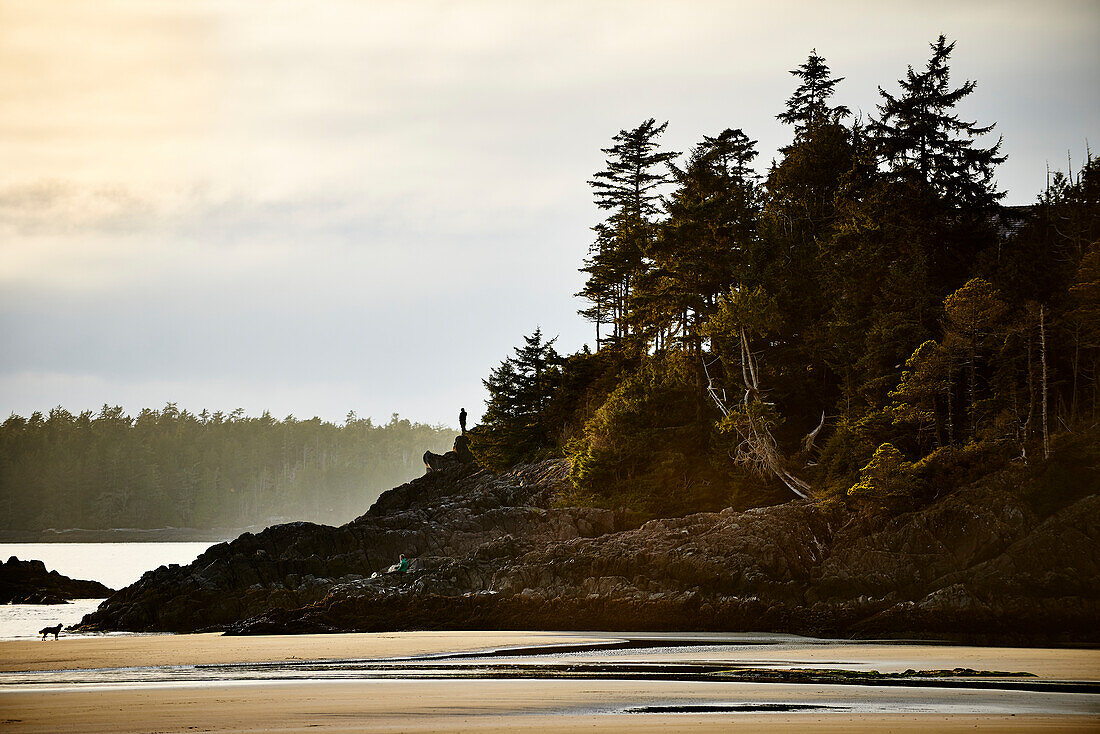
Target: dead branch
column 758, row 449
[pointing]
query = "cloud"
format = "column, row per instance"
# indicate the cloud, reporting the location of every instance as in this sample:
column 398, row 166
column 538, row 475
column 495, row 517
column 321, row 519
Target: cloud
column 62, row 207
column 375, row 201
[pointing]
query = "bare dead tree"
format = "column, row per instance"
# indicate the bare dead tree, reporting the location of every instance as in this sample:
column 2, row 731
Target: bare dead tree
column 811, row 437
column 1043, row 358
column 758, row 448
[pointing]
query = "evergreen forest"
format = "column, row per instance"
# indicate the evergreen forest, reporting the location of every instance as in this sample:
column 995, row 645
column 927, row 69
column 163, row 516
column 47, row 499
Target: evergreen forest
column 175, row 469
column 865, row 323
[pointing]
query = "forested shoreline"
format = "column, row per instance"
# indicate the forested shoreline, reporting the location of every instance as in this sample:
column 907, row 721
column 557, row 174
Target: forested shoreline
column 169, row 468
column 865, row 324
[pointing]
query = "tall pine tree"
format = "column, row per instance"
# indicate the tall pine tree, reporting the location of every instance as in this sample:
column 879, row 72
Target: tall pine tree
column 919, row 134
column 699, row 252
column 809, row 106
column 628, row 189
column 514, row 427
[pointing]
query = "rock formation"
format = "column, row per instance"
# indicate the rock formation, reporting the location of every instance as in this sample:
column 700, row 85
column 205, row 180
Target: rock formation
column 28, row 582
column 449, row 513
column 458, row 455
column 494, row 551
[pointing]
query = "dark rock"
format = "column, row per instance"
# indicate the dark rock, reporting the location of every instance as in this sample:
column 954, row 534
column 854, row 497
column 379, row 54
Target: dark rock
column 445, row 514
column 439, row 462
column 28, row 582
column 458, row 456
column 495, row 551
column 462, row 450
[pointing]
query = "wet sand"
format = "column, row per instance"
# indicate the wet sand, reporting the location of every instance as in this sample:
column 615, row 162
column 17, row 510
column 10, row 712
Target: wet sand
column 368, row 703
column 126, row 651
column 482, row 706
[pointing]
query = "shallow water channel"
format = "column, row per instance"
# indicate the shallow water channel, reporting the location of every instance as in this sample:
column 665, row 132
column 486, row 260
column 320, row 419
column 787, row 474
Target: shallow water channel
column 725, row 675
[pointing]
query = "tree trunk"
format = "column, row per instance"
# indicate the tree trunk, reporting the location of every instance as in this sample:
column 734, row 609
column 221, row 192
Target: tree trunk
column 1030, row 393
column 1076, row 362
column 1043, row 358
column 950, row 414
column 598, row 317
column 972, row 379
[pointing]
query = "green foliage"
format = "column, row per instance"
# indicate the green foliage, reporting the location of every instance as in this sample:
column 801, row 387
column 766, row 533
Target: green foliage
column 974, row 309
column 866, row 325
column 950, row 467
column 587, row 379
column 849, row 447
column 172, row 468
column 886, row 479
column 701, row 248
column 924, row 384
column 754, row 311
column 515, row 426
column 808, row 106
column 644, row 450
column 628, row 189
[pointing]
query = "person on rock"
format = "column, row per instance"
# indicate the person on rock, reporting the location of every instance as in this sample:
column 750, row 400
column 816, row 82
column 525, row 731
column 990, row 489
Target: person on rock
column 462, row 420
column 402, row 566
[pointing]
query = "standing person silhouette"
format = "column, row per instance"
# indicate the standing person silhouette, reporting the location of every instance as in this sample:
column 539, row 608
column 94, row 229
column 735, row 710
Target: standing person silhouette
column 462, row 420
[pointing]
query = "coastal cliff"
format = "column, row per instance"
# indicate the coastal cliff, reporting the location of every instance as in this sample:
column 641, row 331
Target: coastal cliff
column 495, row 551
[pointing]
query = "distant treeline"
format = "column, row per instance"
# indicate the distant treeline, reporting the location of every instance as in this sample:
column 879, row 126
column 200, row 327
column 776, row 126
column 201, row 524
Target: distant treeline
column 173, row 468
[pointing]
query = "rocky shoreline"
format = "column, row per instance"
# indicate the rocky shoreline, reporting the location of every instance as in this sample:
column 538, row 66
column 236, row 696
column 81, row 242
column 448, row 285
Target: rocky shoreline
column 28, row 582
column 495, row 551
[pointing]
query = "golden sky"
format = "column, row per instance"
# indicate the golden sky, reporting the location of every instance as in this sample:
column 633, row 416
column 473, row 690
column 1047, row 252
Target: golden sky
column 269, row 203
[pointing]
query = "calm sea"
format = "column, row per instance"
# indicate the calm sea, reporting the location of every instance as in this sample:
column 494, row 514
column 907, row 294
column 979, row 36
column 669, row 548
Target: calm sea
column 114, row 564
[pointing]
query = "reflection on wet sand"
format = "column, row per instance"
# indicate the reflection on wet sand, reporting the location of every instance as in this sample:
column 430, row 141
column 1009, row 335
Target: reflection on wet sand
column 542, row 681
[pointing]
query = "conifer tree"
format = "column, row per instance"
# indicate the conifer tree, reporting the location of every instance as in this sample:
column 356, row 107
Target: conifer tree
column 627, row 188
column 809, row 106
column 700, row 250
column 798, row 223
column 514, row 427
column 920, row 135
column 923, row 388
column 972, row 312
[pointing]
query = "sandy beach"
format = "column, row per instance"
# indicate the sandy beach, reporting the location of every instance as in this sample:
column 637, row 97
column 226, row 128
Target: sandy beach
column 429, row 706
column 146, row 683
column 124, row 651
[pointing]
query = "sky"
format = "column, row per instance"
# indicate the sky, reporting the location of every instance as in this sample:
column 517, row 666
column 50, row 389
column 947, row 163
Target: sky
column 315, row 208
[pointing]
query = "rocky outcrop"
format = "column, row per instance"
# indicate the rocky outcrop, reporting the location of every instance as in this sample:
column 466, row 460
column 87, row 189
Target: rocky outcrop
column 28, row 582
column 460, row 454
column 449, row 513
column 494, row 551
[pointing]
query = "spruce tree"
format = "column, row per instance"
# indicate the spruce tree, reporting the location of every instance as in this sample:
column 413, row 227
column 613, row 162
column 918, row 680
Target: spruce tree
column 796, row 260
column 514, row 427
column 809, row 106
column 627, row 188
column 920, row 135
column 699, row 252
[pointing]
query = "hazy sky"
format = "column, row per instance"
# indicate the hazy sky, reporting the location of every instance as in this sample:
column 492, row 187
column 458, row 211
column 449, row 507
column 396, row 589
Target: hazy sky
column 313, row 207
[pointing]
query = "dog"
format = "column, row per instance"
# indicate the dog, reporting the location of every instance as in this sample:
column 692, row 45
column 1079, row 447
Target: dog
column 50, row 630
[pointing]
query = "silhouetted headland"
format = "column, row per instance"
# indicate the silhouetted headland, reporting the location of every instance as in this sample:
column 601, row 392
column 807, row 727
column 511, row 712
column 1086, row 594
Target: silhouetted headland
column 498, row 551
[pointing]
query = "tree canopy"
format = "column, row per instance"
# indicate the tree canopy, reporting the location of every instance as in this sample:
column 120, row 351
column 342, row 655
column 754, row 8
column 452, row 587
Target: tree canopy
column 865, row 324
column 173, row 468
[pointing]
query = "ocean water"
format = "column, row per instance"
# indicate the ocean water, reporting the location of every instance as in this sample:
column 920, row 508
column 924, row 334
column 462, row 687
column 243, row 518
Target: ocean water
column 114, row 564
column 22, row 621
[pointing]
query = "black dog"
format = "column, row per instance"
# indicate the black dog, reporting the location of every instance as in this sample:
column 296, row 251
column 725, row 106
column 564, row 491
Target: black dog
column 50, row 630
